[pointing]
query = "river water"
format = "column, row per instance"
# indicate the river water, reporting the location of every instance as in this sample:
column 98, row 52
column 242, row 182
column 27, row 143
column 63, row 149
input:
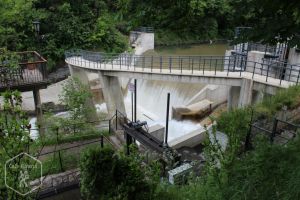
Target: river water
column 203, row 49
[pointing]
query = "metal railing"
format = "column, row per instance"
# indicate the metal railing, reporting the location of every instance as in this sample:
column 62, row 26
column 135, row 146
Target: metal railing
column 32, row 70
column 275, row 52
column 279, row 131
column 63, row 154
column 145, row 29
column 200, row 65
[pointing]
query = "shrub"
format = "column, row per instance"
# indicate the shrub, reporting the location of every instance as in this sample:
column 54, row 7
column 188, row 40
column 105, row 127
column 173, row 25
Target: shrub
column 96, row 166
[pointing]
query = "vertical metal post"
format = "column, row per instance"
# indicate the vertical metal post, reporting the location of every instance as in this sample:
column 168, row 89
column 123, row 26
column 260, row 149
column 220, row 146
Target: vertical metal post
column 151, row 63
column 254, row 70
column 181, row 65
column 167, row 119
column 297, row 78
column 59, row 156
column 109, row 127
column 248, row 136
column 274, row 130
column 135, row 98
column 132, row 106
column 102, row 142
column 128, row 143
column 192, row 65
column 170, row 63
column 290, row 72
column 203, row 65
column 268, row 73
column 160, row 63
column 216, row 66
column 116, row 119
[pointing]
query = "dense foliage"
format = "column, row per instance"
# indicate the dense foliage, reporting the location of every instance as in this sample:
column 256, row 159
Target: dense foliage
column 106, row 174
column 76, row 96
column 14, row 139
column 103, row 24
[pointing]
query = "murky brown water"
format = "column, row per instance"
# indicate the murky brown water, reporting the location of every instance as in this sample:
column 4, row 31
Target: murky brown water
column 203, row 49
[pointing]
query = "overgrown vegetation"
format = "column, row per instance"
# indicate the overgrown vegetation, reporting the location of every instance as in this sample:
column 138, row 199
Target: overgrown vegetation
column 106, row 174
column 14, row 139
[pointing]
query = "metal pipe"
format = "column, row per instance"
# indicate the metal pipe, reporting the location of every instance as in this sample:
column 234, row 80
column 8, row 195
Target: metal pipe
column 135, row 98
column 167, row 120
column 132, row 107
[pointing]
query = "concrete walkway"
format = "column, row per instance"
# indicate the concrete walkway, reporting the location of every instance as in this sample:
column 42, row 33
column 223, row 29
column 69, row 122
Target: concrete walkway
column 260, row 82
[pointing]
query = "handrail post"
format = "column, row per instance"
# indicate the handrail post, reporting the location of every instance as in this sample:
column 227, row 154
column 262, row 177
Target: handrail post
column 170, row 63
column 160, row 63
column 116, row 120
column 254, row 70
column 290, row 72
column 216, row 66
column 151, row 63
column 298, row 76
column 268, row 73
column 109, row 126
column 181, row 65
column 204, row 65
column 192, row 65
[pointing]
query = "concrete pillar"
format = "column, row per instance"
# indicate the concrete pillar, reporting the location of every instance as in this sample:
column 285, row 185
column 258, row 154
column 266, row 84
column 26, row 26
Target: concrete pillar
column 233, row 97
column 257, row 96
column 245, row 93
column 37, row 104
column 112, row 93
column 82, row 76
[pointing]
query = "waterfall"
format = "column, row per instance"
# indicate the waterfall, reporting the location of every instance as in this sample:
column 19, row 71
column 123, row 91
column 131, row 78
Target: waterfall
column 152, row 102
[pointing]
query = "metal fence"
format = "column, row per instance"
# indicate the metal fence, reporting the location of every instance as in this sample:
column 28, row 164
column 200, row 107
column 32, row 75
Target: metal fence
column 200, row 65
column 274, row 52
column 145, row 29
column 279, row 131
column 32, row 70
column 65, row 156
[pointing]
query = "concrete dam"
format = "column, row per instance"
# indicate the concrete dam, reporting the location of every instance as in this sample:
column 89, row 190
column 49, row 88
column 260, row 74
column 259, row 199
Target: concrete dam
column 196, row 83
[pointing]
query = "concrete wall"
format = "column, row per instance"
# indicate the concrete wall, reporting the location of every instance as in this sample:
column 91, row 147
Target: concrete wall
column 112, row 93
column 292, row 72
column 215, row 93
column 246, row 90
column 256, row 61
column 158, row 131
column 233, row 97
column 144, row 43
column 82, row 75
column 191, row 139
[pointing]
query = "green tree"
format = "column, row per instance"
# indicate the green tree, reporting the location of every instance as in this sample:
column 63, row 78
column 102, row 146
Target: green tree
column 14, row 139
column 96, row 168
column 77, row 96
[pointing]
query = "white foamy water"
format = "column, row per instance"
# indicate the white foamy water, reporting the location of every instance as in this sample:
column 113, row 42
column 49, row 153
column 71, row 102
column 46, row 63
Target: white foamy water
column 152, row 105
column 34, row 133
column 178, row 128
